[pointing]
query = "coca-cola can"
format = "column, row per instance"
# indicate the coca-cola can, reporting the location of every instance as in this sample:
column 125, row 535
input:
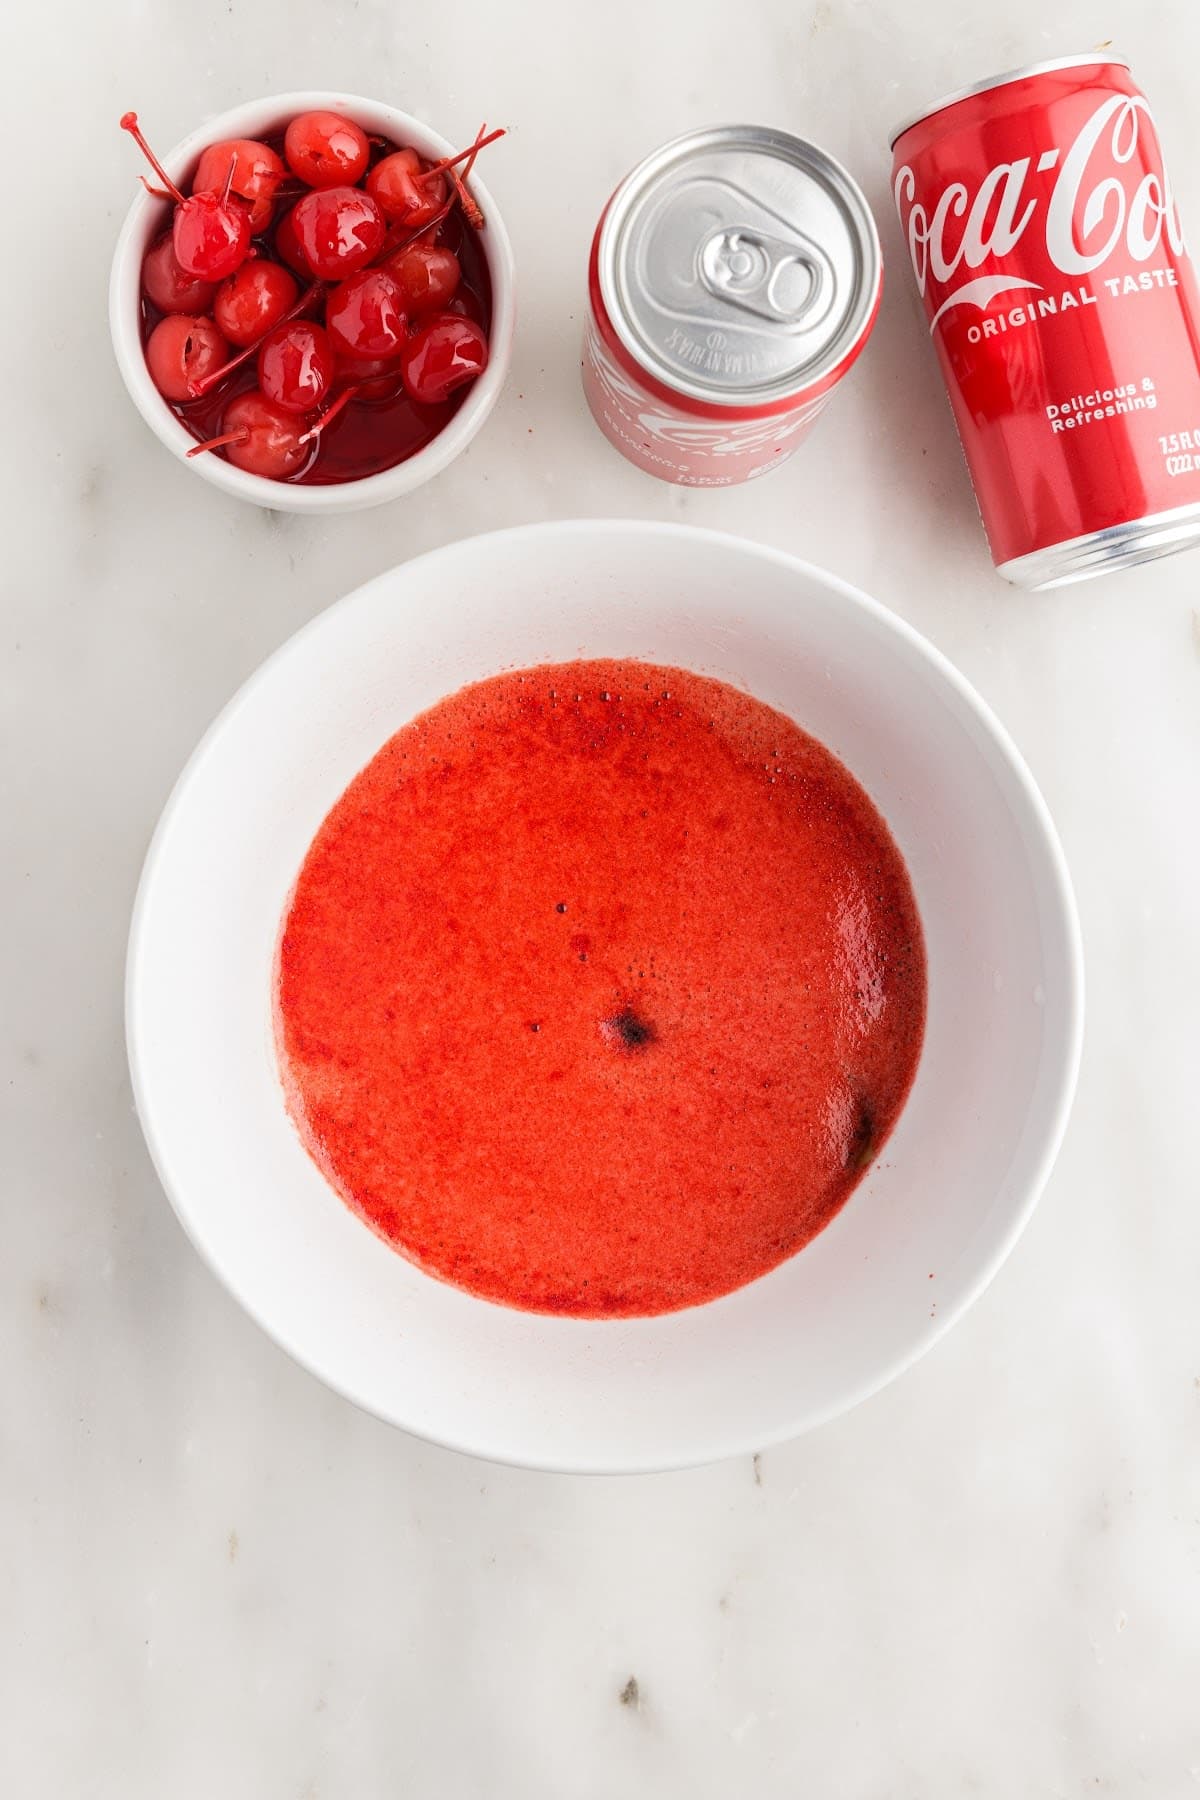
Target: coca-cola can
column 1063, row 307
column 735, row 277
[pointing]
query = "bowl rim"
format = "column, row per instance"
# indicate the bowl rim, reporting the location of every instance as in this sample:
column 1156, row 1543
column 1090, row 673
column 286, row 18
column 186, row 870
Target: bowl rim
column 247, row 118
column 1060, row 1101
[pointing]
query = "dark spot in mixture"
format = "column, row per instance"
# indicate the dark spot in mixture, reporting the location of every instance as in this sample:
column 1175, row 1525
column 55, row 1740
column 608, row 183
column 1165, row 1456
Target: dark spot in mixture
column 631, row 1694
column 861, row 1147
column 627, row 1030
column 757, row 1469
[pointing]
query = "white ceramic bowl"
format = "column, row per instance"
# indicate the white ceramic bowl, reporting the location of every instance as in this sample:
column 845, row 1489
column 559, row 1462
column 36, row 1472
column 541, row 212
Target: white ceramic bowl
column 958, row 1178
column 144, row 221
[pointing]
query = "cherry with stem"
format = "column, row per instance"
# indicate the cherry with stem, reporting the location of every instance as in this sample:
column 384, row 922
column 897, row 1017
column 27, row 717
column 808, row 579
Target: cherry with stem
column 198, row 389
column 211, row 232
column 260, row 437
column 472, row 211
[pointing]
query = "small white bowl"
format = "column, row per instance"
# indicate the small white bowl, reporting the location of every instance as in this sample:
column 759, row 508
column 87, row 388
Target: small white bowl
column 144, row 221
column 959, row 1176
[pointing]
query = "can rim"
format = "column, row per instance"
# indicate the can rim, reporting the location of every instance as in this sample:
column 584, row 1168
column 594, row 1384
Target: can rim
column 1097, row 60
column 602, row 324
column 702, row 398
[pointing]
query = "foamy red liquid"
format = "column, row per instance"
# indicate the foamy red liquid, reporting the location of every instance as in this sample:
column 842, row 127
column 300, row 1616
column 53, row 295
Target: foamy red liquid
column 600, row 987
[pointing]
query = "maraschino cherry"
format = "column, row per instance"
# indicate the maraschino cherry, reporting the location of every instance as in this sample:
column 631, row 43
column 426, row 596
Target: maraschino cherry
column 373, row 377
column 182, row 350
column 413, row 196
column 402, row 190
column 412, row 192
column 250, row 350
column 338, row 230
column 254, row 298
column 295, row 366
column 446, row 353
column 365, row 315
column 261, row 438
column 210, row 232
column 287, row 245
column 169, row 286
column 257, row 172
column 326, row 150
column 427, row 276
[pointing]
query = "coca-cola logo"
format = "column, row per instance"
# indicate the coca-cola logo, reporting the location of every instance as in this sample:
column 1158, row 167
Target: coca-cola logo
column 1110, row 195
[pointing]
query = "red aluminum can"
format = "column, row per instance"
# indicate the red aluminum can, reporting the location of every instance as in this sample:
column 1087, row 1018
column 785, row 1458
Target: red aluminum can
column 1064, row 310
column 735, row 277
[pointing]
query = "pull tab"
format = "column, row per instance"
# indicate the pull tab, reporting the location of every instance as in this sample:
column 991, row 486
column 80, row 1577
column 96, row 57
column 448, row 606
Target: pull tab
column 766, row 276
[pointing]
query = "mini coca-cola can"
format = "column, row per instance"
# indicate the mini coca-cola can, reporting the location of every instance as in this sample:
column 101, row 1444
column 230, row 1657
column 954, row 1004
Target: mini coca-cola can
column 735, row 277
column 1063, row 306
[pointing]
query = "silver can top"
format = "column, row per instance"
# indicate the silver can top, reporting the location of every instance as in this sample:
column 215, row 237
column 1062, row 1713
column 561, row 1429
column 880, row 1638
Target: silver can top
column 739, row 265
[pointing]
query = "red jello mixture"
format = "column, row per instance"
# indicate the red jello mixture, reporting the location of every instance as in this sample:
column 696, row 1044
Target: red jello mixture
column 599, row 989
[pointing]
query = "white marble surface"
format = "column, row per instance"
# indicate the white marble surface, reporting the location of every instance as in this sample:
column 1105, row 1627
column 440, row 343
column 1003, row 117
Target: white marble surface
column 218, row 1579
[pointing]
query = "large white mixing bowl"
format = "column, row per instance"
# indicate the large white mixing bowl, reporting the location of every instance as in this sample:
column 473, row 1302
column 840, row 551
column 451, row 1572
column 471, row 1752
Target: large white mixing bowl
column 958, row 1178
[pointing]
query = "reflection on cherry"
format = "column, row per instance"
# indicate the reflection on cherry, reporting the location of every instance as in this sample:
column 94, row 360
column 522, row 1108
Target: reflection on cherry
column 326, row 150
column 338, row 230
column 295, row 366
column 365, row 315
column 444, row 355
column 254, row 299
